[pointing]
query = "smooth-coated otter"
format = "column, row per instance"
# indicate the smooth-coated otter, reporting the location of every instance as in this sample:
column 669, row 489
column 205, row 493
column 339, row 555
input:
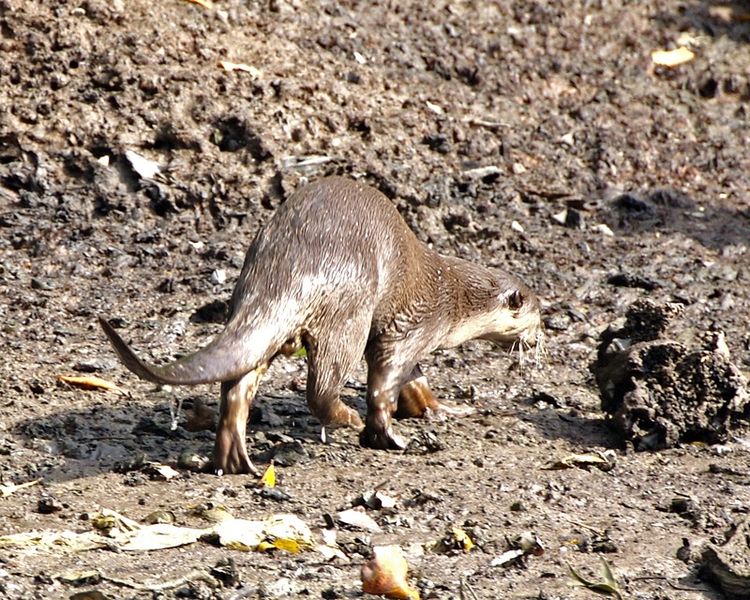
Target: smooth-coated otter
column 337, row 270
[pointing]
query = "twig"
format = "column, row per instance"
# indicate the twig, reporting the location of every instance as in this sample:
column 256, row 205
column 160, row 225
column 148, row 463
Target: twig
column 466, row 586
column 195, row 575
column 7, row 490
column 674, row 586
column 598, row 532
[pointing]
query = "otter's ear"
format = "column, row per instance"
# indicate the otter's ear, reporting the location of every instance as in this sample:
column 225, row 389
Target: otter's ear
column 515, row 300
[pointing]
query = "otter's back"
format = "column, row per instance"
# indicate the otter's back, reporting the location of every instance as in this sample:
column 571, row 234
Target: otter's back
column 331, row 237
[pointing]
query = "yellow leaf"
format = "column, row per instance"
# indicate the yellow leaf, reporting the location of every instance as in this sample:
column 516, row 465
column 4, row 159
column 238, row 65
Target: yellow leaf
column 672, row 58
column 289, row 545
column 89, row 382
column 269, row 477
column 463, row 539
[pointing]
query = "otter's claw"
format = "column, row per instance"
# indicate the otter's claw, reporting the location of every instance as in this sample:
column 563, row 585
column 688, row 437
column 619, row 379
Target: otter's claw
column 381, row 440
column 230, row 454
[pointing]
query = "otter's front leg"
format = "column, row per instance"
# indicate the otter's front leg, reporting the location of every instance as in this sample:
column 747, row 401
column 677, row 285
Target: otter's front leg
column 230, row 449
column 385, row 374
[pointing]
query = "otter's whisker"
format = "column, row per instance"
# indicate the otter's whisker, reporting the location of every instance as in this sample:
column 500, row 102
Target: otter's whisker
column 540, row 351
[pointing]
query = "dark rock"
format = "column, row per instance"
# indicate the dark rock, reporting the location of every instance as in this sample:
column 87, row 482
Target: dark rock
column 633, row 281
column 632, row 204
column 437, row 142
column 233, row 134
column 48, row 505
column 573, row 219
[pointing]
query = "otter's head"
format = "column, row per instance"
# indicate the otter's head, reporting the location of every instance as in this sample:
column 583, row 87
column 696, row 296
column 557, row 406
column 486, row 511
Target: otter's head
column 498, row 307
column 515, row 322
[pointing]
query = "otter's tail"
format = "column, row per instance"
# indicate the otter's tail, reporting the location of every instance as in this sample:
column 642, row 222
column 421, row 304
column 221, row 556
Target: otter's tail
column 225, row 358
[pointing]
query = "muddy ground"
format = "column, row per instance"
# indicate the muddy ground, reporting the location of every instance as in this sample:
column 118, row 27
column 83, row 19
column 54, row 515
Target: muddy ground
column 483, row 121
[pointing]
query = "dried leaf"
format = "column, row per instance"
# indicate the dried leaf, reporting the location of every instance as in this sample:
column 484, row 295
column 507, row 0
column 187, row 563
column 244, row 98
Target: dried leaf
column 280, row 531
column 212, row 512
column 109, row 520
column 159, row 537
column 506, row 558
column 289, row 545
column 231, row 66
column 386, row 573
column 144, row 167
column 358, row 519
column 90, row 382
column 597, row 459
column 672, row 58
column 79, row 577
column 58, row 540
column 207, row 4
column 240, row 534
column 286, row 531
column 608, row 587
column 332, row 552
column 161, row 472
column 376, row 500
column 269, row 477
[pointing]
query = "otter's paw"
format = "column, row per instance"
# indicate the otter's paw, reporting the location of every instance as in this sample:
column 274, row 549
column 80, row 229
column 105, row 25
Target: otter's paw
column 345, row 417
column 446, row 410
column 230, row 454
column 383, row 439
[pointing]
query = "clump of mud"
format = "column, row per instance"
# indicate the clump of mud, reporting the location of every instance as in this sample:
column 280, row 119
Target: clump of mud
column 659, row 392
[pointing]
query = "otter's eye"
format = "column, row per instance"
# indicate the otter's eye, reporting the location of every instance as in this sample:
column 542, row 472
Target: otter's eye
column 515, row 300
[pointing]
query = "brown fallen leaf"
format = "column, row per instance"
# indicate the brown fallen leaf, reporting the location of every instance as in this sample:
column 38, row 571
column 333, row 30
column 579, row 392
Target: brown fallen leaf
column 90, row 382
column 385, row 574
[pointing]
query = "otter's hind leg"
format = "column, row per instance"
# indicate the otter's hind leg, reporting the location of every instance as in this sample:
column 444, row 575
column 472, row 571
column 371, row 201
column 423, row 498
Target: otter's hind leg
column 230, row 449
column 415, row 399
column 331, row 357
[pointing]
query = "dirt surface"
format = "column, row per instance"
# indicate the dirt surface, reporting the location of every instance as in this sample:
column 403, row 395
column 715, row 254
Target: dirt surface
column 484, row 122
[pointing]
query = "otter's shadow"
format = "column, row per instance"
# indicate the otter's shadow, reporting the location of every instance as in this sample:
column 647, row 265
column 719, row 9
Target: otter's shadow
column 561, row 422
column 106, row 437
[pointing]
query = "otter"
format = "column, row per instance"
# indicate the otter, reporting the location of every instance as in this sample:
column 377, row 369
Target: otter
column 336, row 270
